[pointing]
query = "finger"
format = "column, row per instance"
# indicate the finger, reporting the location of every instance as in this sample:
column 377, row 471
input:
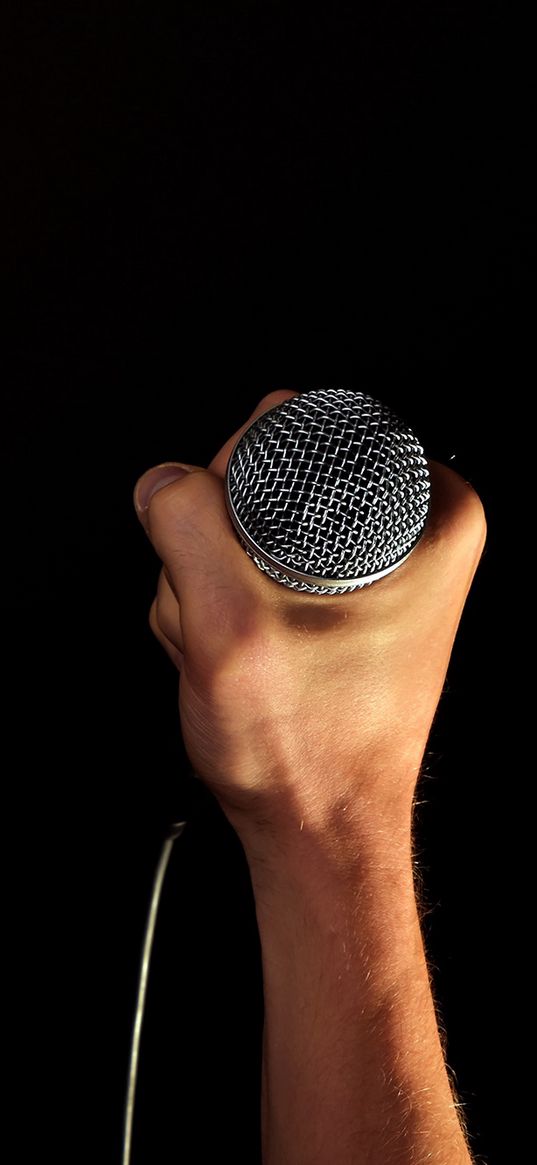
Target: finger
column 456, row 518
column 158, row 478
column 175, row 655
column 190, row 528
column 188, row 524
column 453, row 541
column 168, row 612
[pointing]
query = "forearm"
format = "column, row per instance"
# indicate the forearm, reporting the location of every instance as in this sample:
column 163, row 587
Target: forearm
column 353, row 1067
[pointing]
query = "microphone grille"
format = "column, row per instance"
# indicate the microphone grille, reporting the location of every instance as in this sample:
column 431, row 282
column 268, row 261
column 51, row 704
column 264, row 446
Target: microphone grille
column 328, row 491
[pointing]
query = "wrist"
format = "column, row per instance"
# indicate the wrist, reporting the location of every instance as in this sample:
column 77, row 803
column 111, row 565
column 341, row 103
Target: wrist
column 344, row 828
column 346, row 855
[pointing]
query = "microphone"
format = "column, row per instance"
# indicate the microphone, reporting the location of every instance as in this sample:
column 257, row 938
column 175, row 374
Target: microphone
column 328, row 491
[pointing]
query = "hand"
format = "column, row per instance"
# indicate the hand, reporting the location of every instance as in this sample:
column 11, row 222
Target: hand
column 298, row 707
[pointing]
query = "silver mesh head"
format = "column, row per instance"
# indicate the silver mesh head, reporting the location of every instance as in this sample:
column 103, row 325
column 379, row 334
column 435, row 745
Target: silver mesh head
column 328, row 491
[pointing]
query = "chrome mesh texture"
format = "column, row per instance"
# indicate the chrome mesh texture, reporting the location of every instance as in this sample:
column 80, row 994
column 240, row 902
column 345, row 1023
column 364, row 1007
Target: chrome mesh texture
column 330, row 485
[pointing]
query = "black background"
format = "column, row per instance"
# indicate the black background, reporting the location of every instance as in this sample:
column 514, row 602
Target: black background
column 204, row 203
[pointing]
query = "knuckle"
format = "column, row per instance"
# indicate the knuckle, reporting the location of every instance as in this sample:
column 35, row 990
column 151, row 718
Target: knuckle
column 152, row 617
column 168, row 625
column 475, row 516
column 458, row 514
column 468, row 514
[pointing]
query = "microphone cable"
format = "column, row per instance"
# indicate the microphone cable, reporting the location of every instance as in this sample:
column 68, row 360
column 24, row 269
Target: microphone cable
column 199, row 796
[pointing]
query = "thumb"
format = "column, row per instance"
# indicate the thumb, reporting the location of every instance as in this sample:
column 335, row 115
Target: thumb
column 156, row 479
column 183, row 511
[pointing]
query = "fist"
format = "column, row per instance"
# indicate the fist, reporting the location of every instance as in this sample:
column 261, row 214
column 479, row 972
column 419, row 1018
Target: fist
column 298, row 707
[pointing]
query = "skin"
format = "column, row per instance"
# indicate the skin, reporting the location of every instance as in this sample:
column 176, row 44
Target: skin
column 307, row 716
